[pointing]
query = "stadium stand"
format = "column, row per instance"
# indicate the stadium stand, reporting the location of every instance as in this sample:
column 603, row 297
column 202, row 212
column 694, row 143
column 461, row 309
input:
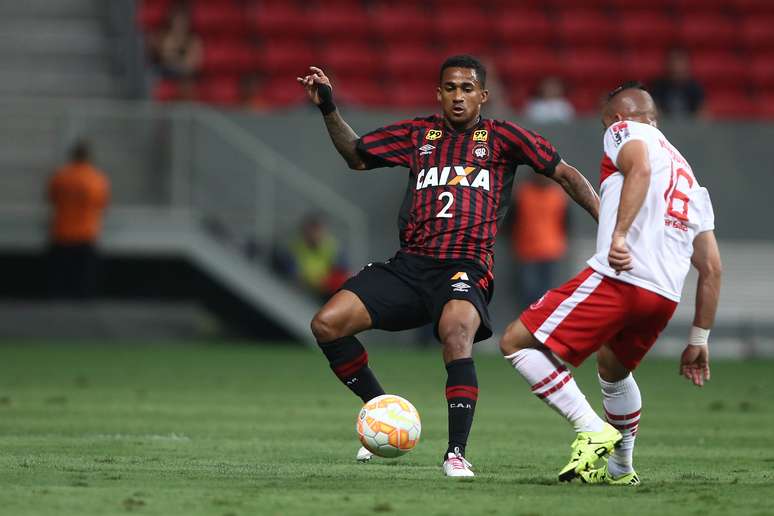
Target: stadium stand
column 57, row 49
column 590, row 44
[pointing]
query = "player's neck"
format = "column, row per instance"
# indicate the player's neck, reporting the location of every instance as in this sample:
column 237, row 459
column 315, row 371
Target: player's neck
column 461, row 128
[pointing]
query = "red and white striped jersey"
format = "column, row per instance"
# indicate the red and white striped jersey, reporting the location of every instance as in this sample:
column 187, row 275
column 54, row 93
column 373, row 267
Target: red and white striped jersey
column 675, row 210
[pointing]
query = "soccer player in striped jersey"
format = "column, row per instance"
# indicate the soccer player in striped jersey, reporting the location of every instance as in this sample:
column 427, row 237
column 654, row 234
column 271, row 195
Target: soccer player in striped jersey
column 655, row 221
column 460, row 172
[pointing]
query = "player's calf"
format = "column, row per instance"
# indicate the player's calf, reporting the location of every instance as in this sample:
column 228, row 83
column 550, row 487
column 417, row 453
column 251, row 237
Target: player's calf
column 349, row 361
column 551, row 381
column 623, row 405
column 457, row 328
column 334, row 327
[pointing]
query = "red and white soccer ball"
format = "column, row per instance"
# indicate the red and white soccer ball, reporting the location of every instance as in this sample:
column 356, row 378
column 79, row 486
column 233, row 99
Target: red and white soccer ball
column 389, row 426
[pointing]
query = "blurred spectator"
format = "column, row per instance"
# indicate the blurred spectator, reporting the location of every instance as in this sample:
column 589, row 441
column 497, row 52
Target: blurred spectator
column 78, row 193
column 539, row 235
column 176, row 50
column 253, row 95
column 313, row 260
column 497, row 103
column 550, row 105
column 678, row 93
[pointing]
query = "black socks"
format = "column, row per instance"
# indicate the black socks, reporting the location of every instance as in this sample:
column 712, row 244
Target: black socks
column 461, row 396
column 349, row 360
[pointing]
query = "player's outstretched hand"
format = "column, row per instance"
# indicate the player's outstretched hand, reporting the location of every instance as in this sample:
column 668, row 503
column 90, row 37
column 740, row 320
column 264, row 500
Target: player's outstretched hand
column 619, row 258
column 312, row 82
column 694, row 364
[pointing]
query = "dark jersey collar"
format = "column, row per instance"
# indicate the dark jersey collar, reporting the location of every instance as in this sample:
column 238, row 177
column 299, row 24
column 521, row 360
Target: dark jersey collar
column 452, row 130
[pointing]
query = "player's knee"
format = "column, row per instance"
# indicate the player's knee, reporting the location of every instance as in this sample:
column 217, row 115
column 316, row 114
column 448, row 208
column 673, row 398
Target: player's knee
column 457, row 339
column 611, row 374
column 455, row 332
column 511, row 341
column 609, row 367
column 324, row 327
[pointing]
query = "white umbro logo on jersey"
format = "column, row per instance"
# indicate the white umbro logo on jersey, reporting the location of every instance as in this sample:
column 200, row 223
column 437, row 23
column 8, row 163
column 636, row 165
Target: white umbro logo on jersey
column 426, row 149
column 460, row 287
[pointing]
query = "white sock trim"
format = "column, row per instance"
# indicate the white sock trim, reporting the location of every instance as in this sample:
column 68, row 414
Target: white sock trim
column 621, row 386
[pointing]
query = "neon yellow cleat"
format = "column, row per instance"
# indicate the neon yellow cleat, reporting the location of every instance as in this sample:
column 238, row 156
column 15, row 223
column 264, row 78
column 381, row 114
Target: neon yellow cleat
column 603, row 476
column 587, row 448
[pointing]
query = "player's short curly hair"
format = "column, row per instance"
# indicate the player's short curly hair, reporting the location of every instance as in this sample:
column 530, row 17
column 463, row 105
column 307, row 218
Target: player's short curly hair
column 465, row 61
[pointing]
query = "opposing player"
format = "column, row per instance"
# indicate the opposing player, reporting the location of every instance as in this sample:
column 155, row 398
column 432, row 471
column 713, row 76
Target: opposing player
column 655, row 221
column 461, row 168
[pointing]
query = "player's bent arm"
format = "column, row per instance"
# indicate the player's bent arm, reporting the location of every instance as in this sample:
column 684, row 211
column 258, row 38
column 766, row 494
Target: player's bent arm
column 634, row 164
column 320, row 91
column 694, row 361
column 344, row 138
column 706, row 260
column 577, row 187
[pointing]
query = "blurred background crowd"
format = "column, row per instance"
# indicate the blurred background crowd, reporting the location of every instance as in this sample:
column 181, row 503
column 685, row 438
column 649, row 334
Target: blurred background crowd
column 242, row 52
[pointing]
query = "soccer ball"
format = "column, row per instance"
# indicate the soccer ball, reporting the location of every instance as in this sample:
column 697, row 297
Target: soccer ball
column 388, row 426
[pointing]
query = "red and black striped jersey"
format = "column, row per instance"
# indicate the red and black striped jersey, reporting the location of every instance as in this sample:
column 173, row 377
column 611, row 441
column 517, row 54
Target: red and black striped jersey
column 459, row 182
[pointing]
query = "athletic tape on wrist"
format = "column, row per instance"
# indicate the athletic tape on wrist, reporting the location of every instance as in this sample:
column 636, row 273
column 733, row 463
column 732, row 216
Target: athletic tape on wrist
column 698, row 336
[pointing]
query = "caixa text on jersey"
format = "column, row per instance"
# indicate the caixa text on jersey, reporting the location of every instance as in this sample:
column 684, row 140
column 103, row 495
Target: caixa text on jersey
column 455, row 175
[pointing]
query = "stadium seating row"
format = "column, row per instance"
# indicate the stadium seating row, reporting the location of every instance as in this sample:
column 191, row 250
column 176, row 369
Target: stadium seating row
column 517, row 64
column 228, row 90
column 153, row 12
column 572, row 28
column 731, row 45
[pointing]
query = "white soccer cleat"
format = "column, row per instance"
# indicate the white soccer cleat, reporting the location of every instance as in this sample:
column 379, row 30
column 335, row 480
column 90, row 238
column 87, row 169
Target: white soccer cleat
column 455, row 465
column 363, row 455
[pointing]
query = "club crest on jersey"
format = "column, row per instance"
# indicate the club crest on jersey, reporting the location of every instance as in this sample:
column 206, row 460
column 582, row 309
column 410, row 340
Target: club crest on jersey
column 457, row 175
column 426, row 149
column 481, row 151
column 460, row 276
column 433, row 134
column 620, row 131
column 481, row 135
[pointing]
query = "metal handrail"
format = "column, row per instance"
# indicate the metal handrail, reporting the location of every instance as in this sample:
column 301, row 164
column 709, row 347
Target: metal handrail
column 293, row 176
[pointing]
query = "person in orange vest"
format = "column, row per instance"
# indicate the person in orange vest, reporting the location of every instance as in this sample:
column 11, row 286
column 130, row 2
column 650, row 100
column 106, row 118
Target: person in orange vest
column 78, row 193
column 539, row 235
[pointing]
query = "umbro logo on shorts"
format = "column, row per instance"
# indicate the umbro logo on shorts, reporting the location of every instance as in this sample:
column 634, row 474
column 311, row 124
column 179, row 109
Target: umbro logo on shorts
column 460, row 287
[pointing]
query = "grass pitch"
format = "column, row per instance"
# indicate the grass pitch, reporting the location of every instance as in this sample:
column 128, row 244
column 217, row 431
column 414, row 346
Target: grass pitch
column 240, row 430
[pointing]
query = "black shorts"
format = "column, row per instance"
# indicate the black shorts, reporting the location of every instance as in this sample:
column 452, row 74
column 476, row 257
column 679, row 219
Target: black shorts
column 409, row 291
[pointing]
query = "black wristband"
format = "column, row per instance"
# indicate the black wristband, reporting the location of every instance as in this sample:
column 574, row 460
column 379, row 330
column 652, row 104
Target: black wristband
column 326, row 108
column 326, row 99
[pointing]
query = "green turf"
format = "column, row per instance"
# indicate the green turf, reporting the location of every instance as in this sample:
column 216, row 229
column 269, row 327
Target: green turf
column 240, row 430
